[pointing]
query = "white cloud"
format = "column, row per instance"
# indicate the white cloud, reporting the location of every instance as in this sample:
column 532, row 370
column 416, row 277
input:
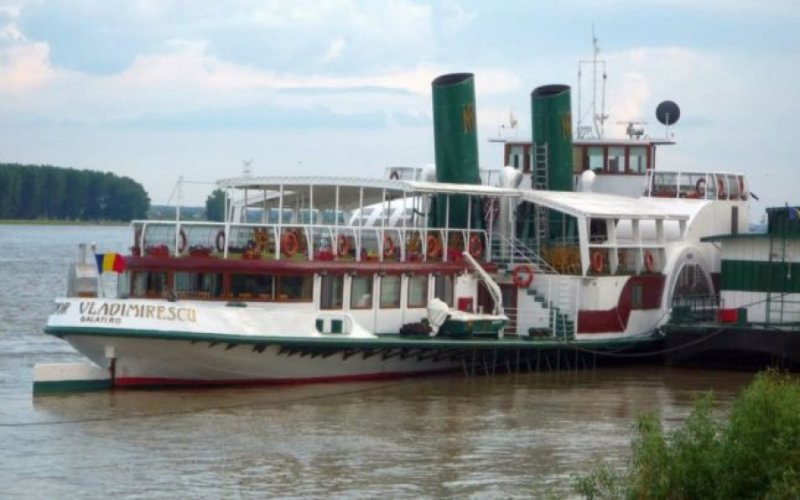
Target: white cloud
column 24, row 67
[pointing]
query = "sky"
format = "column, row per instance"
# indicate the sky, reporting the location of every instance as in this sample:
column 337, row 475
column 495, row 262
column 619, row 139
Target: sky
column 158, row 89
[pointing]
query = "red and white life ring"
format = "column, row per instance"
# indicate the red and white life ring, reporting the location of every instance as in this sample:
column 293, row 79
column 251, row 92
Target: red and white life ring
column 342, row 246
column 434, row 247
column 523, row 276
column 475, row 246
column 220, row 242
column 598, row 262
column 182, row 241
column 289, row 243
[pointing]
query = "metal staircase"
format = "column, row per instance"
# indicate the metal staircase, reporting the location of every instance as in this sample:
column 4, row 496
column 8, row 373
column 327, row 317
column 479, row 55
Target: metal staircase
column 557, row 299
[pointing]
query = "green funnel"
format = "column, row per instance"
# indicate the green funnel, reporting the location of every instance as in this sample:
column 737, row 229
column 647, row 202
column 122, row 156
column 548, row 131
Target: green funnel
column 455, row 141
column 552, row 126
column 552, row 149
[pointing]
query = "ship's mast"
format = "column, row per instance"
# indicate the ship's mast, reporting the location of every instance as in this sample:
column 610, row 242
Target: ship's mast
column 598, row 66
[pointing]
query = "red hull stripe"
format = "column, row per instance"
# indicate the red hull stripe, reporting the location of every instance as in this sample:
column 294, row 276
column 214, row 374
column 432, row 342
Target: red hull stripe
column 615, row 320
column 176, row 382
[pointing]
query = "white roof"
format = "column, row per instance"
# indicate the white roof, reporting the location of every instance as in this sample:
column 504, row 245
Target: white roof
column 604, row 206
column 578, row 204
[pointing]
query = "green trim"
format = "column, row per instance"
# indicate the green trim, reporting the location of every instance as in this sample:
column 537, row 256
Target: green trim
column 760, row 276
column 741, row 236
column 386, row 341
column 62, row 386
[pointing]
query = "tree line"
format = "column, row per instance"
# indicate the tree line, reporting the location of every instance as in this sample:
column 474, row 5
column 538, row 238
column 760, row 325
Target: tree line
column 47, row 192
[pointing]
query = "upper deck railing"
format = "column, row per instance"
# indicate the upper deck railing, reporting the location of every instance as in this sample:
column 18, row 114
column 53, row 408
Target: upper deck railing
column 307, row 242
column 696, row 185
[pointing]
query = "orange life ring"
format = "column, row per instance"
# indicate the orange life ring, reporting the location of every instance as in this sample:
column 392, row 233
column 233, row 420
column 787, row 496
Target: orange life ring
column 523, row 276
column 434, row 247
column 388, row 246
column 649, row 261
column 183, row 241
column 475, row 246
column 289, row 243
column 700, row 187
column 220, row 242
column 598, row 262
column 261, row 239
column 342, row 245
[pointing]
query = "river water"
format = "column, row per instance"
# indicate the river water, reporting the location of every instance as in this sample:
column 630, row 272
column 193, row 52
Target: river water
column 506, row 436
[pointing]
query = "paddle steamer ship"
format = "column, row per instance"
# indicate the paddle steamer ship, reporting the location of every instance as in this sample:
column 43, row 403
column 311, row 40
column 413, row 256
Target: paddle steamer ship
column 572, row 244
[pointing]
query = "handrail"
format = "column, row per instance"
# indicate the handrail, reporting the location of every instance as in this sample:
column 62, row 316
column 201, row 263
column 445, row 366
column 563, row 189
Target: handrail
column 519, row 252
column 314, row 234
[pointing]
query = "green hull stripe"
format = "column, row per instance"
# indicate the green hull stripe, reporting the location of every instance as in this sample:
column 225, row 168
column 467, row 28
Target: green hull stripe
column 62, row 386
column 389, row 341
column 760, row 276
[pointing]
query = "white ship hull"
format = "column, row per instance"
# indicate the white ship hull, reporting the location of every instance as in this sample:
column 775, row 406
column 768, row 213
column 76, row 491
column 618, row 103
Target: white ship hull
column 147, row 362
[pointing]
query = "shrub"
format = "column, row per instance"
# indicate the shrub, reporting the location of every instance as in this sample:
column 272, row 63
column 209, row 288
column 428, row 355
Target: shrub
column 755, row 453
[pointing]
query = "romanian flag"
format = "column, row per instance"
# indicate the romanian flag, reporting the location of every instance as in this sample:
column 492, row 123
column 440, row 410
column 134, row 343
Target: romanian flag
column 110, row 262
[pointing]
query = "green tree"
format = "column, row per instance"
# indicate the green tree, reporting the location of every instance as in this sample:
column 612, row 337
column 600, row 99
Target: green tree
column 215, row 205
column 29, row 192
column 752, row 454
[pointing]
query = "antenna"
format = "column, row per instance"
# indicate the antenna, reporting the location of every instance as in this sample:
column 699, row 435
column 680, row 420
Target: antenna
column 634, row 129
column 246, row 171
column 597, row 119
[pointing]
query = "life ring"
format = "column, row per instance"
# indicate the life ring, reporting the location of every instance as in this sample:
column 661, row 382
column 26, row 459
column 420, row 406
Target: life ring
column 289, row 243
column 598, row 262
column 220, row 242
column 388, row 246
column 182, row 241
column 523, row 276
column 434, row 247
column 342, row 245
column 413, row 244
column 700, row 187
column 649, row 261
column 475, row 246
column 260, row 238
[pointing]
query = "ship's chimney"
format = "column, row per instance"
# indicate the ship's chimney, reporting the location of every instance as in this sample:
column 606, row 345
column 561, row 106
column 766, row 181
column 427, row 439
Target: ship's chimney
column 455, row 141
column 552, row 135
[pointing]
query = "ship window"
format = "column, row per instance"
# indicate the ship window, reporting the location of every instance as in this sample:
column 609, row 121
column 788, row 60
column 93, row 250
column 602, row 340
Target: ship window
column 443, row 288
column 198, row 285
column 297, row 288
column 390, row 292
column 252, row 286
column 149, row 284
column 637, row 160
column 596, row 158
column 616, row 160
column 331, row 292
column 637, row 295
column 418, row 291
column 361, row 292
